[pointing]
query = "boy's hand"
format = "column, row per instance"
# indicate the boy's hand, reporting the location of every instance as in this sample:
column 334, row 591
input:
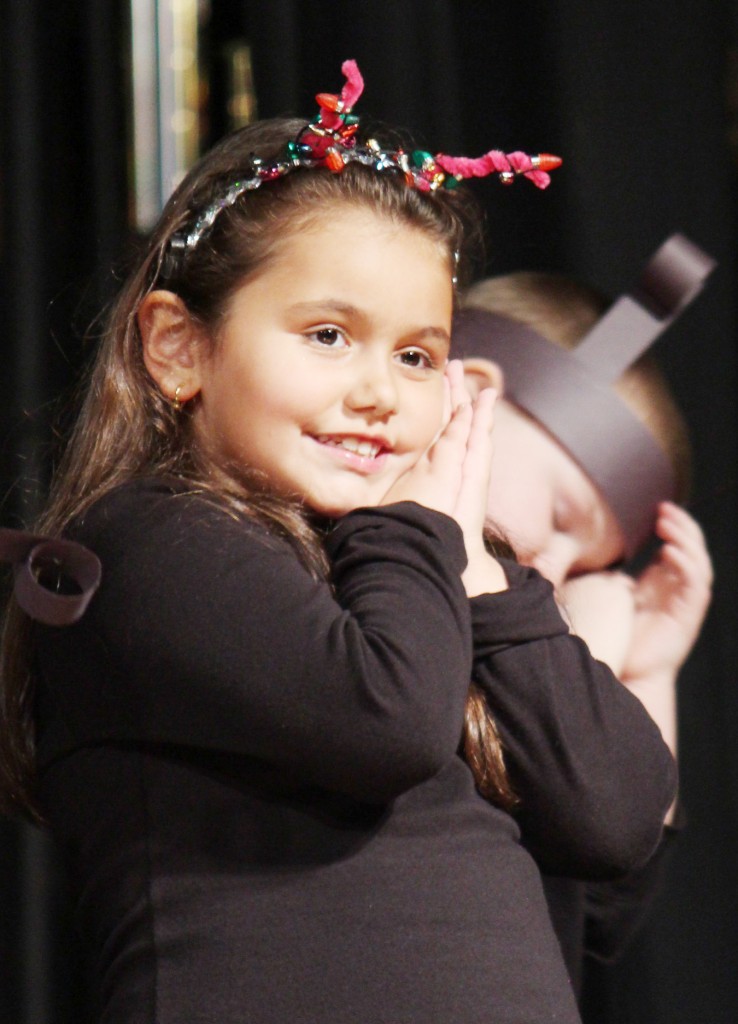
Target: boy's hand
column 672, row 596
column 600, row 608
column 669, row 601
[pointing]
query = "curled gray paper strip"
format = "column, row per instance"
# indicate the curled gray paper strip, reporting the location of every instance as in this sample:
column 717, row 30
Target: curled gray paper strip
column 45, row 569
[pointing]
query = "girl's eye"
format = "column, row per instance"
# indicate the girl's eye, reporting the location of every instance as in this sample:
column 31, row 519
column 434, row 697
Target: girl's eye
column 328, row 337
column 416, row 359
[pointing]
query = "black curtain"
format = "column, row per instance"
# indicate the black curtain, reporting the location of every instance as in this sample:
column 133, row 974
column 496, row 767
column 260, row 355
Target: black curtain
column 639, row 98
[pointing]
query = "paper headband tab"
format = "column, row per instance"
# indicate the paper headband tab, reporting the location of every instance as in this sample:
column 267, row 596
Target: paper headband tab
column 673, row 277
column 570, row 392
column 54, row 579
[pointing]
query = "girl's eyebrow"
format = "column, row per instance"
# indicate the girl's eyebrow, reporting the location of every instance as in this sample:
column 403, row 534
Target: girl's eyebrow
column 433, row 332
column 316, row 306
column 347, row 309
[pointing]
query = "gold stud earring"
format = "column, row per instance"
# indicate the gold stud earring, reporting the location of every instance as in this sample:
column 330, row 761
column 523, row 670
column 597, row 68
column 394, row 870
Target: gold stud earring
column 175, row 401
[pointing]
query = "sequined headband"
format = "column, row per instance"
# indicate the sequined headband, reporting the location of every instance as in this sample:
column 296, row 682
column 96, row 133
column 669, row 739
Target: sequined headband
column 570, row 393
column 330, row 141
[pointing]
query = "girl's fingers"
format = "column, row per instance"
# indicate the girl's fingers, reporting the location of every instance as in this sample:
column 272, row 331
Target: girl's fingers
column 479, row 444
column 452, row 440
column 455, row 470
column 435, row 480
column 481, row 432
column 474, row 490
column 447, row 408
column 458, row 391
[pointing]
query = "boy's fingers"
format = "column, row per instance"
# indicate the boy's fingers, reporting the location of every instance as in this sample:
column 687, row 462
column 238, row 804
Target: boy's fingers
column 681, row 533
column 693, row 574
column 676, row 524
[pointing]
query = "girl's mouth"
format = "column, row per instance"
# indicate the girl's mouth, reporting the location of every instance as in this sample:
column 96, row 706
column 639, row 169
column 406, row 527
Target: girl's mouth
column 366, row 447
column 366, row 455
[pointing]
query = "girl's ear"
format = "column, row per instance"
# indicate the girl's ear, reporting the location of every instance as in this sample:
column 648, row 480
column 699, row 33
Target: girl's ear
column 172, row 345
column 483, row 373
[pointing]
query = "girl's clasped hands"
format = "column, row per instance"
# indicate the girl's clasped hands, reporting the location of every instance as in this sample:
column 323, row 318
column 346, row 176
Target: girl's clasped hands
column 453, row 476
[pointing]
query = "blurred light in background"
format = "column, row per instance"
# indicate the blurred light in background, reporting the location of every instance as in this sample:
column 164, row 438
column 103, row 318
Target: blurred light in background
column 165, row 100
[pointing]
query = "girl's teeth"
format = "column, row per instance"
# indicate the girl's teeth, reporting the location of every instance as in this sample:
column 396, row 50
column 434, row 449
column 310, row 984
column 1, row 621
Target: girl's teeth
column 366, row 449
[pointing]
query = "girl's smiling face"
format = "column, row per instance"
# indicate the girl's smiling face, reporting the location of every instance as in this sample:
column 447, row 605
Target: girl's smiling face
column 327, row 372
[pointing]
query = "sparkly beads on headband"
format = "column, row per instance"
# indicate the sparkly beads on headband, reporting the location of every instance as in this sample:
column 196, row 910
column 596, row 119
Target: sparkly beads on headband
column 330, row 141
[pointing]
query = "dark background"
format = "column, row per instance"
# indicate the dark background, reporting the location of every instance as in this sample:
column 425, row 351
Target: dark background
column 641, row 99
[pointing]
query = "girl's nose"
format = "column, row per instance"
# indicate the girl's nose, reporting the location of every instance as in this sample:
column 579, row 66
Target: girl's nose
column 374, row 391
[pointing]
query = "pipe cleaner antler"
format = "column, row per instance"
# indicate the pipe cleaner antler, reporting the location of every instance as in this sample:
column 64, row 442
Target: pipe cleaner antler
column 331, row 107
column 330, row 141
column 335, row 128
column 506, row 165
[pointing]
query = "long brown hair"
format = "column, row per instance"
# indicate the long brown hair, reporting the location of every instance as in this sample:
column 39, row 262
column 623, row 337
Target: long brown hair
column 126, row 428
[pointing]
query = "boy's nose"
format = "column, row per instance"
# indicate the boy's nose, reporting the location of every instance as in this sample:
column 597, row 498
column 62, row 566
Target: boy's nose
column 555, row 563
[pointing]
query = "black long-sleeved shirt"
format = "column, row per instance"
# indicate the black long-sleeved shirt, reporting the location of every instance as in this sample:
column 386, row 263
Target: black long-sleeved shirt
column 255, row 778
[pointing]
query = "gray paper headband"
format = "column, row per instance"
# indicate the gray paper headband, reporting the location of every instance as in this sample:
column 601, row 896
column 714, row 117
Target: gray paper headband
column 570, row 392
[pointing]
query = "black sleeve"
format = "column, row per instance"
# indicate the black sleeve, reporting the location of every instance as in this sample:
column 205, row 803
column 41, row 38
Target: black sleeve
column 594, row 777
column 208, row 631
column 615, row 911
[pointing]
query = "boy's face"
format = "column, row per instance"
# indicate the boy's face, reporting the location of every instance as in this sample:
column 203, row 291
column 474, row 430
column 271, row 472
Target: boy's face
column 541, row 499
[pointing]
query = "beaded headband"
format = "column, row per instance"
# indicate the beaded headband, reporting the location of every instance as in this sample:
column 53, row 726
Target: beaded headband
column 570, row 393
column 330, row 141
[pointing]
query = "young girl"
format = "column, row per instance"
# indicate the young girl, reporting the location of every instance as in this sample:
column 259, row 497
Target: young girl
column 259, row 752
column 576, row 505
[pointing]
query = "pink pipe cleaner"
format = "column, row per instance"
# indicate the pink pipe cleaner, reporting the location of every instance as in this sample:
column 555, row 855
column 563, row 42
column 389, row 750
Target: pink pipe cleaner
column 496, row 162
column 354, row 86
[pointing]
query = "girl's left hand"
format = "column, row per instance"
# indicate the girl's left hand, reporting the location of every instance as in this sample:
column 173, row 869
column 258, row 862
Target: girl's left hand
column 483, row 574
column 436, row 478
column 471, row 499
column 453, row 477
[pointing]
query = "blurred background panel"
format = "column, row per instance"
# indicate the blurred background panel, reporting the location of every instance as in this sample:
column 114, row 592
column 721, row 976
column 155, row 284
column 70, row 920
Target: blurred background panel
column 104, row 105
